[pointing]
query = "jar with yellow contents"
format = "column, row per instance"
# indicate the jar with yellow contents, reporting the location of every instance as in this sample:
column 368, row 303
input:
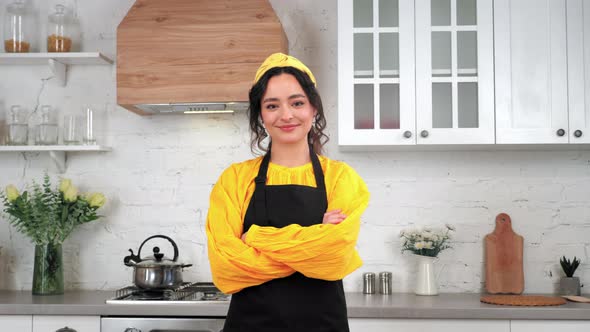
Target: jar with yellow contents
column 17, row 28
column 59, row 30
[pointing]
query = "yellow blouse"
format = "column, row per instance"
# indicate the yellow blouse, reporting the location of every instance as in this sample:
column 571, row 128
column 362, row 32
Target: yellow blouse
column 320, row 251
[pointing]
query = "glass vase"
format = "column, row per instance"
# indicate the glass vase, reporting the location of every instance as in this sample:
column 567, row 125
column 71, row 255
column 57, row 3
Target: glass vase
column 48, row 274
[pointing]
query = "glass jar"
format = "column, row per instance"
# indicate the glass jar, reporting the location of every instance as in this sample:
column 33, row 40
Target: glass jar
column 18, row 128
column 59, row 31
column 17, row 25
column 47, row 129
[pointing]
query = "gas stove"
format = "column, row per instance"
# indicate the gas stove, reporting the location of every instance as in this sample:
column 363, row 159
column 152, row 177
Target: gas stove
column 196, row 292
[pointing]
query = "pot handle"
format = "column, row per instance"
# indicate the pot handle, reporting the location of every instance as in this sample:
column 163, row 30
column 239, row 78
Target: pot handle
column 163, row 237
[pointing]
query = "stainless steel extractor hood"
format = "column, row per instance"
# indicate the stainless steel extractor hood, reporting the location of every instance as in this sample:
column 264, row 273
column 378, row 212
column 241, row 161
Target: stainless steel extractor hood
column 193, row 108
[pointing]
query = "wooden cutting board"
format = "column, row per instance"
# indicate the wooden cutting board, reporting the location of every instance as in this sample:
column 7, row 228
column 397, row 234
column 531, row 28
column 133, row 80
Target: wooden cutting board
column 503, row 257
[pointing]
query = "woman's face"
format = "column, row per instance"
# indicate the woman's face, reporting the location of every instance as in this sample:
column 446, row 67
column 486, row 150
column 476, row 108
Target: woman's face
column 286, row 111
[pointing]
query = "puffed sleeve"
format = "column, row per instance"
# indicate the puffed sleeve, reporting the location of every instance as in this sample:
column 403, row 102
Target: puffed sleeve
column 234, row 264
column 320, row 251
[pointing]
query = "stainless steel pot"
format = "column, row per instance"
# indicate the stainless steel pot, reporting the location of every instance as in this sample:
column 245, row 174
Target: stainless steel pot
column 157, row 272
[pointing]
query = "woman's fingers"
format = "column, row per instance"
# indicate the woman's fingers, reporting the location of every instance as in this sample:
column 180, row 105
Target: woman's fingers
column 333, row 217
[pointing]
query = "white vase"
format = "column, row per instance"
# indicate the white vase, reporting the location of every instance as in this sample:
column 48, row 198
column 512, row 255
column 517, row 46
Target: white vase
column 425, row 278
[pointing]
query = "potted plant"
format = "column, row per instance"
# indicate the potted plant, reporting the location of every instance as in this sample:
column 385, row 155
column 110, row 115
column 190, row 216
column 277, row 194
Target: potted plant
column 48, row 215
column 569, row 285
column 426, row 244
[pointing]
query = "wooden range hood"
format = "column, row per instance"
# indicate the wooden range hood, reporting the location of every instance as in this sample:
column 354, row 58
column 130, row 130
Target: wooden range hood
column 180, row 55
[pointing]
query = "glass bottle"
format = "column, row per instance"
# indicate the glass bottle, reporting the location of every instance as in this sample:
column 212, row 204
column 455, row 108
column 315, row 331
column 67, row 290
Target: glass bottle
column 59, row 31
column 47, row 129
column 17, row 36
column 18, row 129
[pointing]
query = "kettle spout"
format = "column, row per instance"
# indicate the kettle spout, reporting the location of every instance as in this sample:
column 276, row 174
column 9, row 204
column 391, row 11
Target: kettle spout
column 135, row 258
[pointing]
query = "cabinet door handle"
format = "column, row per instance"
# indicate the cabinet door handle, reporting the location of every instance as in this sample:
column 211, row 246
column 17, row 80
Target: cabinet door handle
column 578, row 133
column 407, row 134
column 424, row 133
column 132, row 329
column 66, row 329
column 560, row 132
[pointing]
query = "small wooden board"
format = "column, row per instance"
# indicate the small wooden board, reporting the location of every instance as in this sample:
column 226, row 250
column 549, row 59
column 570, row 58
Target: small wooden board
column 503, row 258
column 576, row 298
column 522, row 300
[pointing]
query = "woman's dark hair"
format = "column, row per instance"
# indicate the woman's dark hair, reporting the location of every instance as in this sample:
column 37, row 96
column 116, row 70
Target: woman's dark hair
column 316, row 136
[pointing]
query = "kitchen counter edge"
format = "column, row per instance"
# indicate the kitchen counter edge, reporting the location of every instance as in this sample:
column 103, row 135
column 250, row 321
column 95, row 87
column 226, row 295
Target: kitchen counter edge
column 398, row 305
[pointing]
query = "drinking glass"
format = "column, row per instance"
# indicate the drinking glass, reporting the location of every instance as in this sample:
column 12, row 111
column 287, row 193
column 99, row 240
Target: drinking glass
column 71, row 130
column 88, row 133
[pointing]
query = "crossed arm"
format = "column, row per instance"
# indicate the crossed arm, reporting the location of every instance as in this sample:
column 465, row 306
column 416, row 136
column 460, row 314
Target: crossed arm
column 324, row 251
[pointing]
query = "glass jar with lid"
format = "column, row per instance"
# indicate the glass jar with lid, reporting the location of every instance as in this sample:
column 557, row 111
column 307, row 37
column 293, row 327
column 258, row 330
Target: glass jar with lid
column 47, row 131
column 59, row 30
column 18, row 127
column 17, row 28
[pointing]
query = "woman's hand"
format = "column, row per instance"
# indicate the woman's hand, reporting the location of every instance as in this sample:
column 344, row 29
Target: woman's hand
column 244, row 237
column 333, row 217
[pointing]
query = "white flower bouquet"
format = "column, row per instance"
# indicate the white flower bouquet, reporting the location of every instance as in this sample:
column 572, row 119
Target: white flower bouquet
column 427, row 241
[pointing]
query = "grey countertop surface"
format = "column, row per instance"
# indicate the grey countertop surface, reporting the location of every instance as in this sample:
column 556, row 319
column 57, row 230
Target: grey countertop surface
column 398, row 305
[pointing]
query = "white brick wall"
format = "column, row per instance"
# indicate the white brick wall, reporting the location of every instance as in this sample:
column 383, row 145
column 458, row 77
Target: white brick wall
column 160, row 172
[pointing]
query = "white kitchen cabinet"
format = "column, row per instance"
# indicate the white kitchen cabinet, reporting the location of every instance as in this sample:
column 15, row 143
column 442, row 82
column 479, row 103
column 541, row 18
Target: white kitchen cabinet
column 76, row 323
column 427, row 325
column 415, row 72
column 18, row 323
column 531, row 71
column 549, row 326
column 578, row 48
column 376, row 89
column 454, row 72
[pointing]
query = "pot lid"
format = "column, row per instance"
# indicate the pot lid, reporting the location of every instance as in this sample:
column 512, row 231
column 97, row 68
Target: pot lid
column 158, row 259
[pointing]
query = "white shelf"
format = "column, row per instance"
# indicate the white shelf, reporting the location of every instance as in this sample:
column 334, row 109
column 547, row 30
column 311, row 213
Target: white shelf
column 57, row 62
column 65, row 148
column 70, row 58
column 57, row 153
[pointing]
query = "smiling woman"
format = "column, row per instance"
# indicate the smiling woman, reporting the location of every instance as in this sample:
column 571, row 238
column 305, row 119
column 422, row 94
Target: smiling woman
column 282, row 228
column 286, row 112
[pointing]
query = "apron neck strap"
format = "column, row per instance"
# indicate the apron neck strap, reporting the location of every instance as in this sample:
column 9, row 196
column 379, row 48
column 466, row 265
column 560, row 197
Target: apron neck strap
column 260, row 179
column 259, row 195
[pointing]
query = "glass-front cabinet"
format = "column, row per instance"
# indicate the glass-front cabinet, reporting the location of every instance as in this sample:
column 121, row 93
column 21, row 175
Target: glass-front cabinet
column 376, row 72
column 415, row 72
column 454, row 72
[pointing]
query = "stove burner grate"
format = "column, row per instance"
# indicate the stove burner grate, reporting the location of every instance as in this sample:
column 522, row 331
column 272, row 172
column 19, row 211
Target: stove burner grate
column 197, row 291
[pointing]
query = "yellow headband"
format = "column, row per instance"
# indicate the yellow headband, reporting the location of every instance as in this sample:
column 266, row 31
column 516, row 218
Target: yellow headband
column 282, row 60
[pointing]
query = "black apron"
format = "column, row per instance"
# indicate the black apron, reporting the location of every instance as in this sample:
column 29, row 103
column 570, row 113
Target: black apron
column 295, row 303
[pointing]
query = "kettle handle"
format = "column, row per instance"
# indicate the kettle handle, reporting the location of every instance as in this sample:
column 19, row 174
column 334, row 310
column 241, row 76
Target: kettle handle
column 163, row 237
column 137, row 258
